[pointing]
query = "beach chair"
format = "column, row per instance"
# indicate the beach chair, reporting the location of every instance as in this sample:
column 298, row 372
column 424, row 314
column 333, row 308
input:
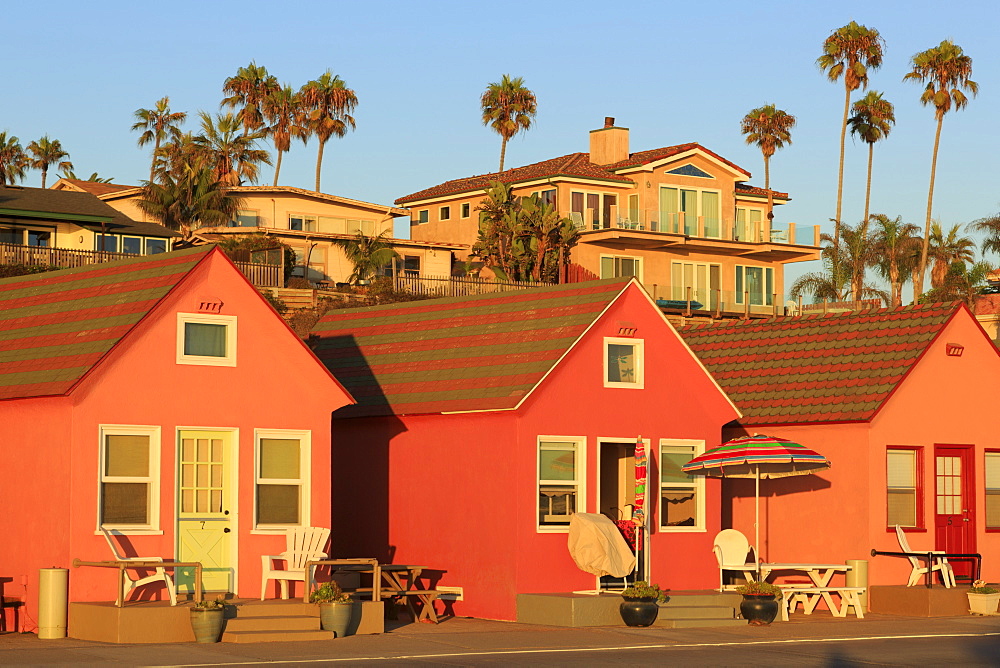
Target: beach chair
column 731, row 549
column 302, row 544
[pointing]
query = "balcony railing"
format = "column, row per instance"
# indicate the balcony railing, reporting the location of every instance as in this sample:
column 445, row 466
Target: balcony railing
column 692, row 226
column 64, row 258
column 457, row 286
column 263, row 275
column 689, row 300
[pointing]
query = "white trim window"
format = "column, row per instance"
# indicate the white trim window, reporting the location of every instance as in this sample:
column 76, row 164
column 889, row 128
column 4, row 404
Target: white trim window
column 205, row 339
column 466, row 209
column 129, row 487
column 615, row 266
column 992, row 500
column 560, row 478
column 682, row 496
column 623, row 363
column 281, row 478
column 682, row 208
column 592, row 210
column 757, row 283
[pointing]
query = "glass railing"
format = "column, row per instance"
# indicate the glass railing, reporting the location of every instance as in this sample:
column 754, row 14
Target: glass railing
column 714, row 300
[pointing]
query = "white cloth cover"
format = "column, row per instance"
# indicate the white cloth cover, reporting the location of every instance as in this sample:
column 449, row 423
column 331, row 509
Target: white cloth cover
column 597, row 546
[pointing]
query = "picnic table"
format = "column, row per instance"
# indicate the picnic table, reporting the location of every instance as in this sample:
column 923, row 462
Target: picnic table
column 809, row 595
column 389, row 581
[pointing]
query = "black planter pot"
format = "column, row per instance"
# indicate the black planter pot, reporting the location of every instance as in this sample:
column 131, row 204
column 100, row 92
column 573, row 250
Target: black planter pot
column 639, row 611
column 759, row 610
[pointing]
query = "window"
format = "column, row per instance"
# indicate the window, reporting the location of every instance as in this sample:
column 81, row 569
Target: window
column 593, row 210
column 680, row 209
column 11, row 235
column 245, row 219
column 444, row 213
column 411, row 265
column 696, row 280
column 682, row 496
column 614, row 266
column 154, row 246
column 132, row 245
column 992, row 475
column 366, row 227
column 903, row 493
column 107, row 242
column 129, row 488
column 204, row 339
column 560, row 480
column 39, row 238
column 623, row 363
column 755, row 285
column 549, row 197
column 466, row 209
column 423, row 215
column 748, row 227
column 301, row 223
column 282, row 479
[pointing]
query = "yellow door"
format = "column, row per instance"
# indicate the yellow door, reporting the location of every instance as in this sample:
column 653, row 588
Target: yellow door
column 203, row 519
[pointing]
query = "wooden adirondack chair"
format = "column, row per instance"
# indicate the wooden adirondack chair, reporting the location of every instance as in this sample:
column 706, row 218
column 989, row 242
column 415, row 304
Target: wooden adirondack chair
column 303, row 544
column 159, row 574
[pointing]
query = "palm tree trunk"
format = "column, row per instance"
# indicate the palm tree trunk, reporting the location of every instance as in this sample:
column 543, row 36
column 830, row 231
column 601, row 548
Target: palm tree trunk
column 896, row 286
column 840, row 181
column 152, row 164
column 277, row 167
column 868, row 188
column 319, row 162
column 770, row 196
column 918, row 288
column 503, row 151
column 45, row 170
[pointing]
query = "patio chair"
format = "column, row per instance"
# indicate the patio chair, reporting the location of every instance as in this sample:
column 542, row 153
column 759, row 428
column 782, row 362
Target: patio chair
column 939, row 563
column 302, row 544
column 136, row 580
column 731, row 549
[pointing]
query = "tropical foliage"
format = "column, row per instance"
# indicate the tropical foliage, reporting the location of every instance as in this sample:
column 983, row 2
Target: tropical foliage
column 259, row 248
column 246, row 92
column 46, row 152
column 872, row 121
column 283, row 111
column 157, row 125
column 946, row 74
column 769, row 129
column 13, row 160
column 508, row 108
column 947, row 249
column 523, row 238
column 231, row 152
column 189, row 197
column 327, row 104
column 368, row 254
column 897, row 247
column 93, row 178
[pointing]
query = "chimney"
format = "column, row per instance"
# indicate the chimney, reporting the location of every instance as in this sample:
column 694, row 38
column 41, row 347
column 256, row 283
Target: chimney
column 609, row 144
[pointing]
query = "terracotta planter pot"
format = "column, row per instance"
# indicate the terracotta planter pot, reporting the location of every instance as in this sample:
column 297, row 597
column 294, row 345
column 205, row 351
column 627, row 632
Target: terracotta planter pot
column 639, row 611
column 336, row 617
column 207, row 624
column 759, row 610
column 983, row 604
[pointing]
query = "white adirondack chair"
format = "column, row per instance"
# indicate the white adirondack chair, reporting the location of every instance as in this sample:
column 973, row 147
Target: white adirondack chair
column 303, row 544
column 731, row 548
column 159, row 574
column 939, row 563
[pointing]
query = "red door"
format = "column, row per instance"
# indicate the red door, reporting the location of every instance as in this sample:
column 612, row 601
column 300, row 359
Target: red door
column 954, row 517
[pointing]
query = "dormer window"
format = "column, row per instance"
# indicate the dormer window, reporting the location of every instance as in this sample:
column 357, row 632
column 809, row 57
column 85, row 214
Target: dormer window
column 623, row 363
column 207, row 340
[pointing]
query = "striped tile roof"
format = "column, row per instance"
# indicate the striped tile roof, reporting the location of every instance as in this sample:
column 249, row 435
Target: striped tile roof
column 55, row 326
column 818, row 368
column 480, row 353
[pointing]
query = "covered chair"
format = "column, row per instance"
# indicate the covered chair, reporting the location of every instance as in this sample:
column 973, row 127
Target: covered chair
column 302, row 544
column 731, row 549
column 136, row 580
column 939, row 563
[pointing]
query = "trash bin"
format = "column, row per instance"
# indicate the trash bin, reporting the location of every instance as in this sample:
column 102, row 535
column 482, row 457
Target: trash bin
column 53, row 592
column 858, row 577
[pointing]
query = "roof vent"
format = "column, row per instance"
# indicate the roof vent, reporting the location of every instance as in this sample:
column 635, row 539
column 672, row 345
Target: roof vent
column 954, row 349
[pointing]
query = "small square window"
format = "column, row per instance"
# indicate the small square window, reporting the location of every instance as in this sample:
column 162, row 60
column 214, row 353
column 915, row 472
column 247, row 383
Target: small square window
column 623, row 363
column 466, row 209
column 154, row 246
column 107, row 242
column 423, row 216
column 204, row 339
column 132, row 245
column 445, row 213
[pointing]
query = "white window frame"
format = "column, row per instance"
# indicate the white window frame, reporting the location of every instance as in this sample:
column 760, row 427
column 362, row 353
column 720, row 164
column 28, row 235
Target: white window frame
column 637, row 259
column 309, row 222
column 444, row 212
column 640, row 359
column 152, row 479
column 304, row 482
column 166, row 245
column 125, row 238
column 599, row 213
column 580, row 465
column 697, row 484
column 423, row 216
column 465, row 209
column 740, row 277
column 699, row 200
column 208, row 319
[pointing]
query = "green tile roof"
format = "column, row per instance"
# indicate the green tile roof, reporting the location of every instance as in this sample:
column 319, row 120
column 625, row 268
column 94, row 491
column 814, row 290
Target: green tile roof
column 818, row 368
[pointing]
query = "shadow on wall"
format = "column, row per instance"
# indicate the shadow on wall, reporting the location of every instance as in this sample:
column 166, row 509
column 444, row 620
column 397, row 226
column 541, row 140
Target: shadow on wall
column 359, row 457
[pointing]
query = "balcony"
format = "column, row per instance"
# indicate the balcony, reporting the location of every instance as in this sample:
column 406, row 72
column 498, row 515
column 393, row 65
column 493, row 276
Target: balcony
column 63, row 258
column 717, row 303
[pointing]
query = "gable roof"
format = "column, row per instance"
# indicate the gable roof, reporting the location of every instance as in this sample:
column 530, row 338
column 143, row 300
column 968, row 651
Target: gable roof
column 819, row 368
column 479, row 353
column 93, row 187
column 572, row 165
column 56, row 326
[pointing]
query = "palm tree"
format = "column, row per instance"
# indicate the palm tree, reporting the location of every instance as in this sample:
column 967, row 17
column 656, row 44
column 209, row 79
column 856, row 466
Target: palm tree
column 989, row 225
column 849, row 52
column 234, row 156
column 328, row 104
column 47, row 152
column 157, row 125
column 858, row 251
column 248, row 90
column 283, row 111
column 769, row 129
column 947, row 249
column 188, row 198
column 895, row 243
column 178, row 154
column 872, row 121
column 508, row 108
column 368, row 254
column 93, row 178
column 13, row 160
column 944, row 70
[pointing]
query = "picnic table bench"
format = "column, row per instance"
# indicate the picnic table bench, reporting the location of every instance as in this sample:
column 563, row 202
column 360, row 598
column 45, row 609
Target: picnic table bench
column 809, row 597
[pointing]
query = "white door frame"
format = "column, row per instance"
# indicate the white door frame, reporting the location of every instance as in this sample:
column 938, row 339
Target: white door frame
column 648, row 505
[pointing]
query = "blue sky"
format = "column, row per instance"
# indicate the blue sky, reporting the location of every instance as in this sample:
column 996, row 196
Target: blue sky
column 671, row 72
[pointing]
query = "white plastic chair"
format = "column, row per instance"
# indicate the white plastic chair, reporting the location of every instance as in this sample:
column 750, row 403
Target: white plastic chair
column 158, row 575
column 302, row 544
column 939, row 563
column 731, row 549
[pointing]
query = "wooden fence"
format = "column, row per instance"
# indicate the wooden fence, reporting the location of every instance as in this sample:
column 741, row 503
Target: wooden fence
column 457, row 286
column 63, row 258
column 263, row 275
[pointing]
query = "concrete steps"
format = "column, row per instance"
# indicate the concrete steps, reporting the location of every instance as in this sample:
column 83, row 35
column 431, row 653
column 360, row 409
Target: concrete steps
column 699, row 609
column 274, row 636
column 274, row 621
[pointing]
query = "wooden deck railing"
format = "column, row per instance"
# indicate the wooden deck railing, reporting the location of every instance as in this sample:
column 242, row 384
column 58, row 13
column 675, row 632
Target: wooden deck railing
column 263, row 275
column 63, row 258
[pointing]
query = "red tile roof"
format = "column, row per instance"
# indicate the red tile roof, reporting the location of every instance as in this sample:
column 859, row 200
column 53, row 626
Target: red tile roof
column 485, row 352
column 574, row 164
column 95, row 188
column 742, row 188
column 818, row 368
column 56, row 326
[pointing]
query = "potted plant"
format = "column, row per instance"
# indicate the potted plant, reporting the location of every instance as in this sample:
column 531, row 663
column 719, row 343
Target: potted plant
column 760, row 602
column 641, row 604
column 983, row 599
column 207, row 618
column 335, row 608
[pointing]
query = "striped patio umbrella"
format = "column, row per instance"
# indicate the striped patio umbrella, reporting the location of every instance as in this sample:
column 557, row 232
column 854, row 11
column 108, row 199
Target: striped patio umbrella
column 757, row 457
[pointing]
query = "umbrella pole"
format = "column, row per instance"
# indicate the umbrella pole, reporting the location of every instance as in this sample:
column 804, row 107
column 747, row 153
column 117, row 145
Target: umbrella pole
column 756, row 521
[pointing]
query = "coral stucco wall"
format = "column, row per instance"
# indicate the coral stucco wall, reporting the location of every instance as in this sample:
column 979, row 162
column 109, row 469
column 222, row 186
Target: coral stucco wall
column 840, row 514
column 277, row 384
column 461, row 489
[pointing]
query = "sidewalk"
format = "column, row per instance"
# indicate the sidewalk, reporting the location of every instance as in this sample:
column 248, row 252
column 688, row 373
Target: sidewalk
column 476, row 639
